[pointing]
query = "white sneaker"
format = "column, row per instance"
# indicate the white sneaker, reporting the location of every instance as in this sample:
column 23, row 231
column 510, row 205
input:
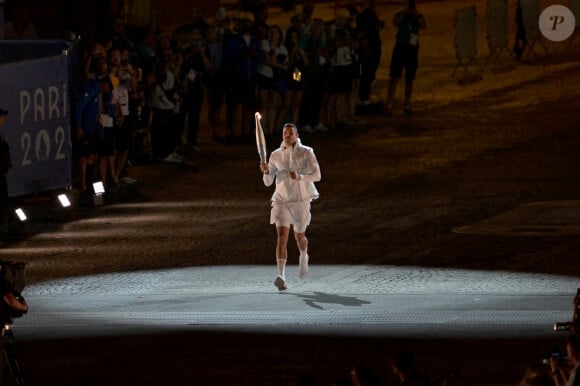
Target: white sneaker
column 307, row 129
column 128, row 180
column 280, row 283
column 173, row 158
column 303, row 266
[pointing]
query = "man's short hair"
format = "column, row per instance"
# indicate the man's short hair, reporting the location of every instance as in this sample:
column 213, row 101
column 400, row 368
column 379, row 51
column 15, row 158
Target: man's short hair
column 293, row 126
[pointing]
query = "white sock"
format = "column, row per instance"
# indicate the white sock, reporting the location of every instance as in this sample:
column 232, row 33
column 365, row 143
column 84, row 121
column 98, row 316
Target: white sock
column 303, row 253
column 281, row 265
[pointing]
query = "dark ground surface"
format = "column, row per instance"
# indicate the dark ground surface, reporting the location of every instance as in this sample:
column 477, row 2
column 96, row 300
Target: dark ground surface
column 392, row 191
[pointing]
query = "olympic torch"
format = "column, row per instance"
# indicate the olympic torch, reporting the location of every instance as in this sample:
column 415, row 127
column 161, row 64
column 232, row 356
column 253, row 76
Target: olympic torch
column 260, row 140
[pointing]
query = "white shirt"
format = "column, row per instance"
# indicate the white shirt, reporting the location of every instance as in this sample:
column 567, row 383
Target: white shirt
column 121, row 95
column 342, row 57
column 159, row 98
column 300, row 159
column 264, row 68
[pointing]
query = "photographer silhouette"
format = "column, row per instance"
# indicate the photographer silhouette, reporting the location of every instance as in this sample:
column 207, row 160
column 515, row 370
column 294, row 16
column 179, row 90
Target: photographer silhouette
column 565, row 372
column 12, row 305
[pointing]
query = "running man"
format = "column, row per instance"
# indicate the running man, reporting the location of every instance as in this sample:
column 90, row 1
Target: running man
column 295, row 169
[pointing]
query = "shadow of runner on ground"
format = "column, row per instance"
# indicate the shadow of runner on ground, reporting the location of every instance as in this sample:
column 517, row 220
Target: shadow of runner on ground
column 321, row 297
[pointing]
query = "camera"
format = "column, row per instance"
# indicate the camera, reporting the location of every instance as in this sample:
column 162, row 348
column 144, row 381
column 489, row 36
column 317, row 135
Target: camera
column 556, row 354
column 574, row 325
column 563, row 326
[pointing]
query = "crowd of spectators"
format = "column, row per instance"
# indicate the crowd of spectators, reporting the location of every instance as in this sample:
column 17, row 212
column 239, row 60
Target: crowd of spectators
column 311, row 71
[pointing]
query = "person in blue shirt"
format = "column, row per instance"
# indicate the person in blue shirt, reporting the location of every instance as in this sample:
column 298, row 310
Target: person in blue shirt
column 87, row 114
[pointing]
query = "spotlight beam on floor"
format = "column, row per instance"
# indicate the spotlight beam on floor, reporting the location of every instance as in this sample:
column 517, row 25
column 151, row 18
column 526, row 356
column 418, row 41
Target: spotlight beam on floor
column 334, row 300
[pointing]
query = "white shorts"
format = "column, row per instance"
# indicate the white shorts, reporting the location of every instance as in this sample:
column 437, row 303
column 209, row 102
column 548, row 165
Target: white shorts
column 296, row 214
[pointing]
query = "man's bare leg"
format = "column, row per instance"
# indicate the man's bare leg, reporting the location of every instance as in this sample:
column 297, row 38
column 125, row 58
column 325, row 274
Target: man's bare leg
column 281, row 256
column 302, row 243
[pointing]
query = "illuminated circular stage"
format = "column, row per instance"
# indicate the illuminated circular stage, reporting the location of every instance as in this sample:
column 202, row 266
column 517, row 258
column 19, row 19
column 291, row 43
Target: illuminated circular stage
column 351, row 300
